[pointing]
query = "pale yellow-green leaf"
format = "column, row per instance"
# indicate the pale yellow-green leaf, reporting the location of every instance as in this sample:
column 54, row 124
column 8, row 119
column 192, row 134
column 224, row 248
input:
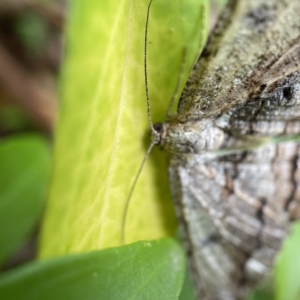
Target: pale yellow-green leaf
column 102, row 132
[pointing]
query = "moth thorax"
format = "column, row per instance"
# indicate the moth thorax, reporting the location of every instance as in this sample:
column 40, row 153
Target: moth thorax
column 199, row 136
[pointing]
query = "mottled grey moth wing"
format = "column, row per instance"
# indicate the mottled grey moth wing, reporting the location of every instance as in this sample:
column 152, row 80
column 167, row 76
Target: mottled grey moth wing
column 234, row 147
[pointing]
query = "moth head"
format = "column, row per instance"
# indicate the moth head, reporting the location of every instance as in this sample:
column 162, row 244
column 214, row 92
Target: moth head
column 158, row 133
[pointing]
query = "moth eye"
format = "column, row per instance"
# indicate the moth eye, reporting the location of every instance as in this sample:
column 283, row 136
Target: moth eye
column 287, row 92
column 158, row 127
column 262, row 87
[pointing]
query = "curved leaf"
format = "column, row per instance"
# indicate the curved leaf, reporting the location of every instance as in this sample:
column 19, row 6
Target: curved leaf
column 102, row 134
column 144, row 270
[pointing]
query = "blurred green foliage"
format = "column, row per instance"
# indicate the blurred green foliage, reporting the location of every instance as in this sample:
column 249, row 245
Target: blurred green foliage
column 13, row 119
column 25, row 166
column 32, row 30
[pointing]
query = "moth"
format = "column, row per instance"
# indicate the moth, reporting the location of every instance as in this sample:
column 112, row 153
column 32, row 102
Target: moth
column 234, row 147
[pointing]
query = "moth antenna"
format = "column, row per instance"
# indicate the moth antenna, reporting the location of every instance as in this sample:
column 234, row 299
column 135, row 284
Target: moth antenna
column 145, row 70
column 132, row 189
column 179, row 80
column 154, row 142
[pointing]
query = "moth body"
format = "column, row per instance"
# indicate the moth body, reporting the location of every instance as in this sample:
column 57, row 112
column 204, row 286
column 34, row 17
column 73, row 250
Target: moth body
column 191, row 137
column 233, row 148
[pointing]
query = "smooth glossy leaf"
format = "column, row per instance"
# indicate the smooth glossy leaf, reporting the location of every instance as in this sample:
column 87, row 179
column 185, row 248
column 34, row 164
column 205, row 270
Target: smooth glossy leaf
column 144, row 270
column 102, row 134
column 287, row 269
column 24, row 169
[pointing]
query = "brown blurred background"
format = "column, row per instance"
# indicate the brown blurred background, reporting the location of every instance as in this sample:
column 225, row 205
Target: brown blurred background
column 30, row 57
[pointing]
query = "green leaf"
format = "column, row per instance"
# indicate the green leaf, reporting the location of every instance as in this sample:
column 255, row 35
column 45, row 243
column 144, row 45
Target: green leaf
column 261, row 294
column 287, row 268
column 187, row 292
column 102, row 133
column 265, row 290
column 24, row 165
column 144, row 270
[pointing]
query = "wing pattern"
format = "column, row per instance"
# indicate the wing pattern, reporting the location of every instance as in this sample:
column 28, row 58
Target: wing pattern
column 234, row 212
column 236, row 207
